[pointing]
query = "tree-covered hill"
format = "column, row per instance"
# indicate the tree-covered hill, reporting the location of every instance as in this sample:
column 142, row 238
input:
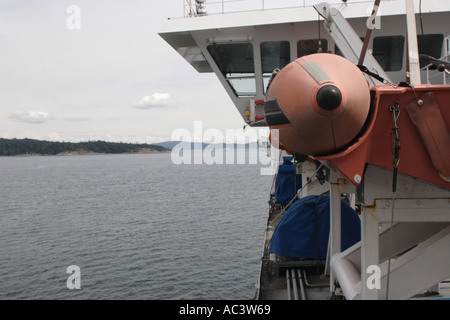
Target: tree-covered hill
column 12, row 147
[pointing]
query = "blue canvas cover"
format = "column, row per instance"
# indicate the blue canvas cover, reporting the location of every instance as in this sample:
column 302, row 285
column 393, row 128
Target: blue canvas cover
column 287, row 182
column 303, row 231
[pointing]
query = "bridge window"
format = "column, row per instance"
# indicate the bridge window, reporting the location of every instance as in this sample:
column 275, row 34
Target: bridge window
column 236, row 62
column 388, row 50
column 305, row 47
column 430, row 44
column 274, row 54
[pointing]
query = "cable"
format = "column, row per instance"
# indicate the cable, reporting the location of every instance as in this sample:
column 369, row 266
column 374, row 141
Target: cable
column 420, row 15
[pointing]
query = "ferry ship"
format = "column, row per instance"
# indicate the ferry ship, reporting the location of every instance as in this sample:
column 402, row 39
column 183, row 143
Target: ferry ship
column 348, row 89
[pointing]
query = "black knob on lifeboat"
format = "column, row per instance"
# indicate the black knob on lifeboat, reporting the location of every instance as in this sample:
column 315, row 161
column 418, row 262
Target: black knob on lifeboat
column 329, row 97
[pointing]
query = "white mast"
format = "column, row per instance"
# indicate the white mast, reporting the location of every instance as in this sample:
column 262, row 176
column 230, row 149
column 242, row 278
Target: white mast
column 413, row 49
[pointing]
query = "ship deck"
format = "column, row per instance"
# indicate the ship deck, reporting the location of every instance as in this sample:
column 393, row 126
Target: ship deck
column 288, row 278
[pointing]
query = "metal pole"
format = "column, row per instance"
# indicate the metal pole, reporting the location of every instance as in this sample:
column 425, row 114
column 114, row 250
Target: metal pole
column 188, row 11
column 370, row 26
column 294, row 284
column 288, row 284
column 335, row 226
column 413, row 49
column 302, row 287
column 370, row 251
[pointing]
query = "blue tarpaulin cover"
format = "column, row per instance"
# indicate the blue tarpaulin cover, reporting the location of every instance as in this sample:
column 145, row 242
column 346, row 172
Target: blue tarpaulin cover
column 303, row 231
column 287, row 182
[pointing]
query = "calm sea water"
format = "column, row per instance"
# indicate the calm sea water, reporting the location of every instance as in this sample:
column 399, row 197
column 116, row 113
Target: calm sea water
column 138, row 227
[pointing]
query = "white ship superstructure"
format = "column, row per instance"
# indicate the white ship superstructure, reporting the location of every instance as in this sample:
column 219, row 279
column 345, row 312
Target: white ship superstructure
column 401, row 49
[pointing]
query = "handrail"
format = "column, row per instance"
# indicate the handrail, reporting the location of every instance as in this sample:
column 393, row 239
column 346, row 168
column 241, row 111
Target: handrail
column 445, row 57
column 229, row 6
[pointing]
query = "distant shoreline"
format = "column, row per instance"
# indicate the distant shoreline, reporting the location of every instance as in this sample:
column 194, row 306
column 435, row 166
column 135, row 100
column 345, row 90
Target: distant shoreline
column 31, row 147
column 82, row 153
column 89, row 153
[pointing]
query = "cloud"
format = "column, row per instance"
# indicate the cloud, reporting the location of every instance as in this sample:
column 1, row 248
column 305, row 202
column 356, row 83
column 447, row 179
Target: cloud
column 156, row 100
column 34, row 117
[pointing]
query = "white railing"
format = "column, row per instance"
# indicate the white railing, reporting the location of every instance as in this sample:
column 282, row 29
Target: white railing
column 191, row 7
column 445, row 57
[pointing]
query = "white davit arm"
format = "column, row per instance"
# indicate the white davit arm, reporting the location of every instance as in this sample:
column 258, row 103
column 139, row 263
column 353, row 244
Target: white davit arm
column 413, row 50
column 348, row 41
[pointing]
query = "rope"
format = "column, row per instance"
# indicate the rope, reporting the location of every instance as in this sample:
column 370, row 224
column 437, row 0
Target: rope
column 372, row 74
column 395, row 162
column 396, row 143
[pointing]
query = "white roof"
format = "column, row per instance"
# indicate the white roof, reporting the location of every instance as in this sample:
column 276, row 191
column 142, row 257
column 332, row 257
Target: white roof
column 291, row 15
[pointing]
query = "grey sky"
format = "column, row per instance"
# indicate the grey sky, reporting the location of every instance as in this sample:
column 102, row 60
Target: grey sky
column 113, row 79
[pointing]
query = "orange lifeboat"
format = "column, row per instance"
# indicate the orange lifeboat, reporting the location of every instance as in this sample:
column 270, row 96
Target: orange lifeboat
column 319, row 103
column 320, row 106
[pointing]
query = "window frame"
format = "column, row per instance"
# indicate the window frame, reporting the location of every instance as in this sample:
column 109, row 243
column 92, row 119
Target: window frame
column 232, row 74
column 286, row 57
column 396, row 60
